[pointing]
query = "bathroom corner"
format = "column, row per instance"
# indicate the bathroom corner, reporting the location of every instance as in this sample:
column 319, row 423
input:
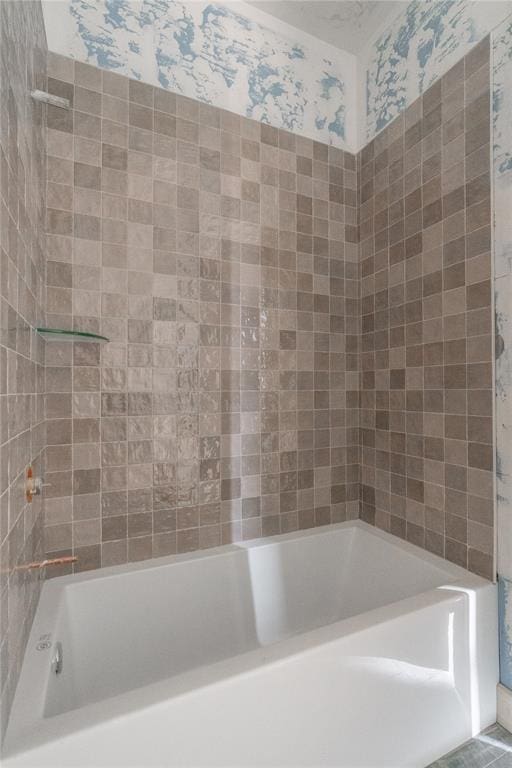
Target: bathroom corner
column 22, row 302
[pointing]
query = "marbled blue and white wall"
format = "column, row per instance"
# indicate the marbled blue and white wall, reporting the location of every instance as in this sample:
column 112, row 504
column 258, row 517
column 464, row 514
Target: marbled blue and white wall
column 218, row 54
column 502, row 161
column 418, row 47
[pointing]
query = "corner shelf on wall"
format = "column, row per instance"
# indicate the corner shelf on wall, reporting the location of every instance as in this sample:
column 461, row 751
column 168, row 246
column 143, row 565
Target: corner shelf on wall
column 59, row 334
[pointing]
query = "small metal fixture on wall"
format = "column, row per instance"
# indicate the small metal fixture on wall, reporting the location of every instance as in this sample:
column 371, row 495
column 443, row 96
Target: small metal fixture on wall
column 40, row 564
column 33, row 485
column 49, row 98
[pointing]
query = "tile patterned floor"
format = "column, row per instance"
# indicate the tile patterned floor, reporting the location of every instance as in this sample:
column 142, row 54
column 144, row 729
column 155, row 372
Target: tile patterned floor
column 493, row 747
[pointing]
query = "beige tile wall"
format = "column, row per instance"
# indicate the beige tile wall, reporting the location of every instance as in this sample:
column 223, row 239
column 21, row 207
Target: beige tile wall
column 427, row 321
column 220, row 257
column 22, row 215
column 267, row 371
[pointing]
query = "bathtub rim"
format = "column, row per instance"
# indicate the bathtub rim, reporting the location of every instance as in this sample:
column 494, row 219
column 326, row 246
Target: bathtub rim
column 451, row 569
column 28, row 729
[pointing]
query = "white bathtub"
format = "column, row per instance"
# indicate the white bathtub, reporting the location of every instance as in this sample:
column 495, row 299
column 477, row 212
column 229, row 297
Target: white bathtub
column 339, row 646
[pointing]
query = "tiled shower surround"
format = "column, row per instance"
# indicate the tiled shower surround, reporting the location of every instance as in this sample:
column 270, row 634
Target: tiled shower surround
column 220, row 257
column 266, row 371
column 427, row 324
column 22, row 262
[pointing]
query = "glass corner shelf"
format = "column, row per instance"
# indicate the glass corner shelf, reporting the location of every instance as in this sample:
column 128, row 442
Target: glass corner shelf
column 59, row 334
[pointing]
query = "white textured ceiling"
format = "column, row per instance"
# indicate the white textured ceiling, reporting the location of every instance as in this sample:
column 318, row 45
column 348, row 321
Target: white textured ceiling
column 347, row 24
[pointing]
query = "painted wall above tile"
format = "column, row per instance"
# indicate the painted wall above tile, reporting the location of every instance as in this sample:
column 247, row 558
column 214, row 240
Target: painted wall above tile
column 419, row 46
column 347, row 24
column 213, row 52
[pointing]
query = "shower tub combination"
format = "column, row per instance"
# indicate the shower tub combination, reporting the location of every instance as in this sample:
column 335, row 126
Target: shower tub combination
column 337, row 646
